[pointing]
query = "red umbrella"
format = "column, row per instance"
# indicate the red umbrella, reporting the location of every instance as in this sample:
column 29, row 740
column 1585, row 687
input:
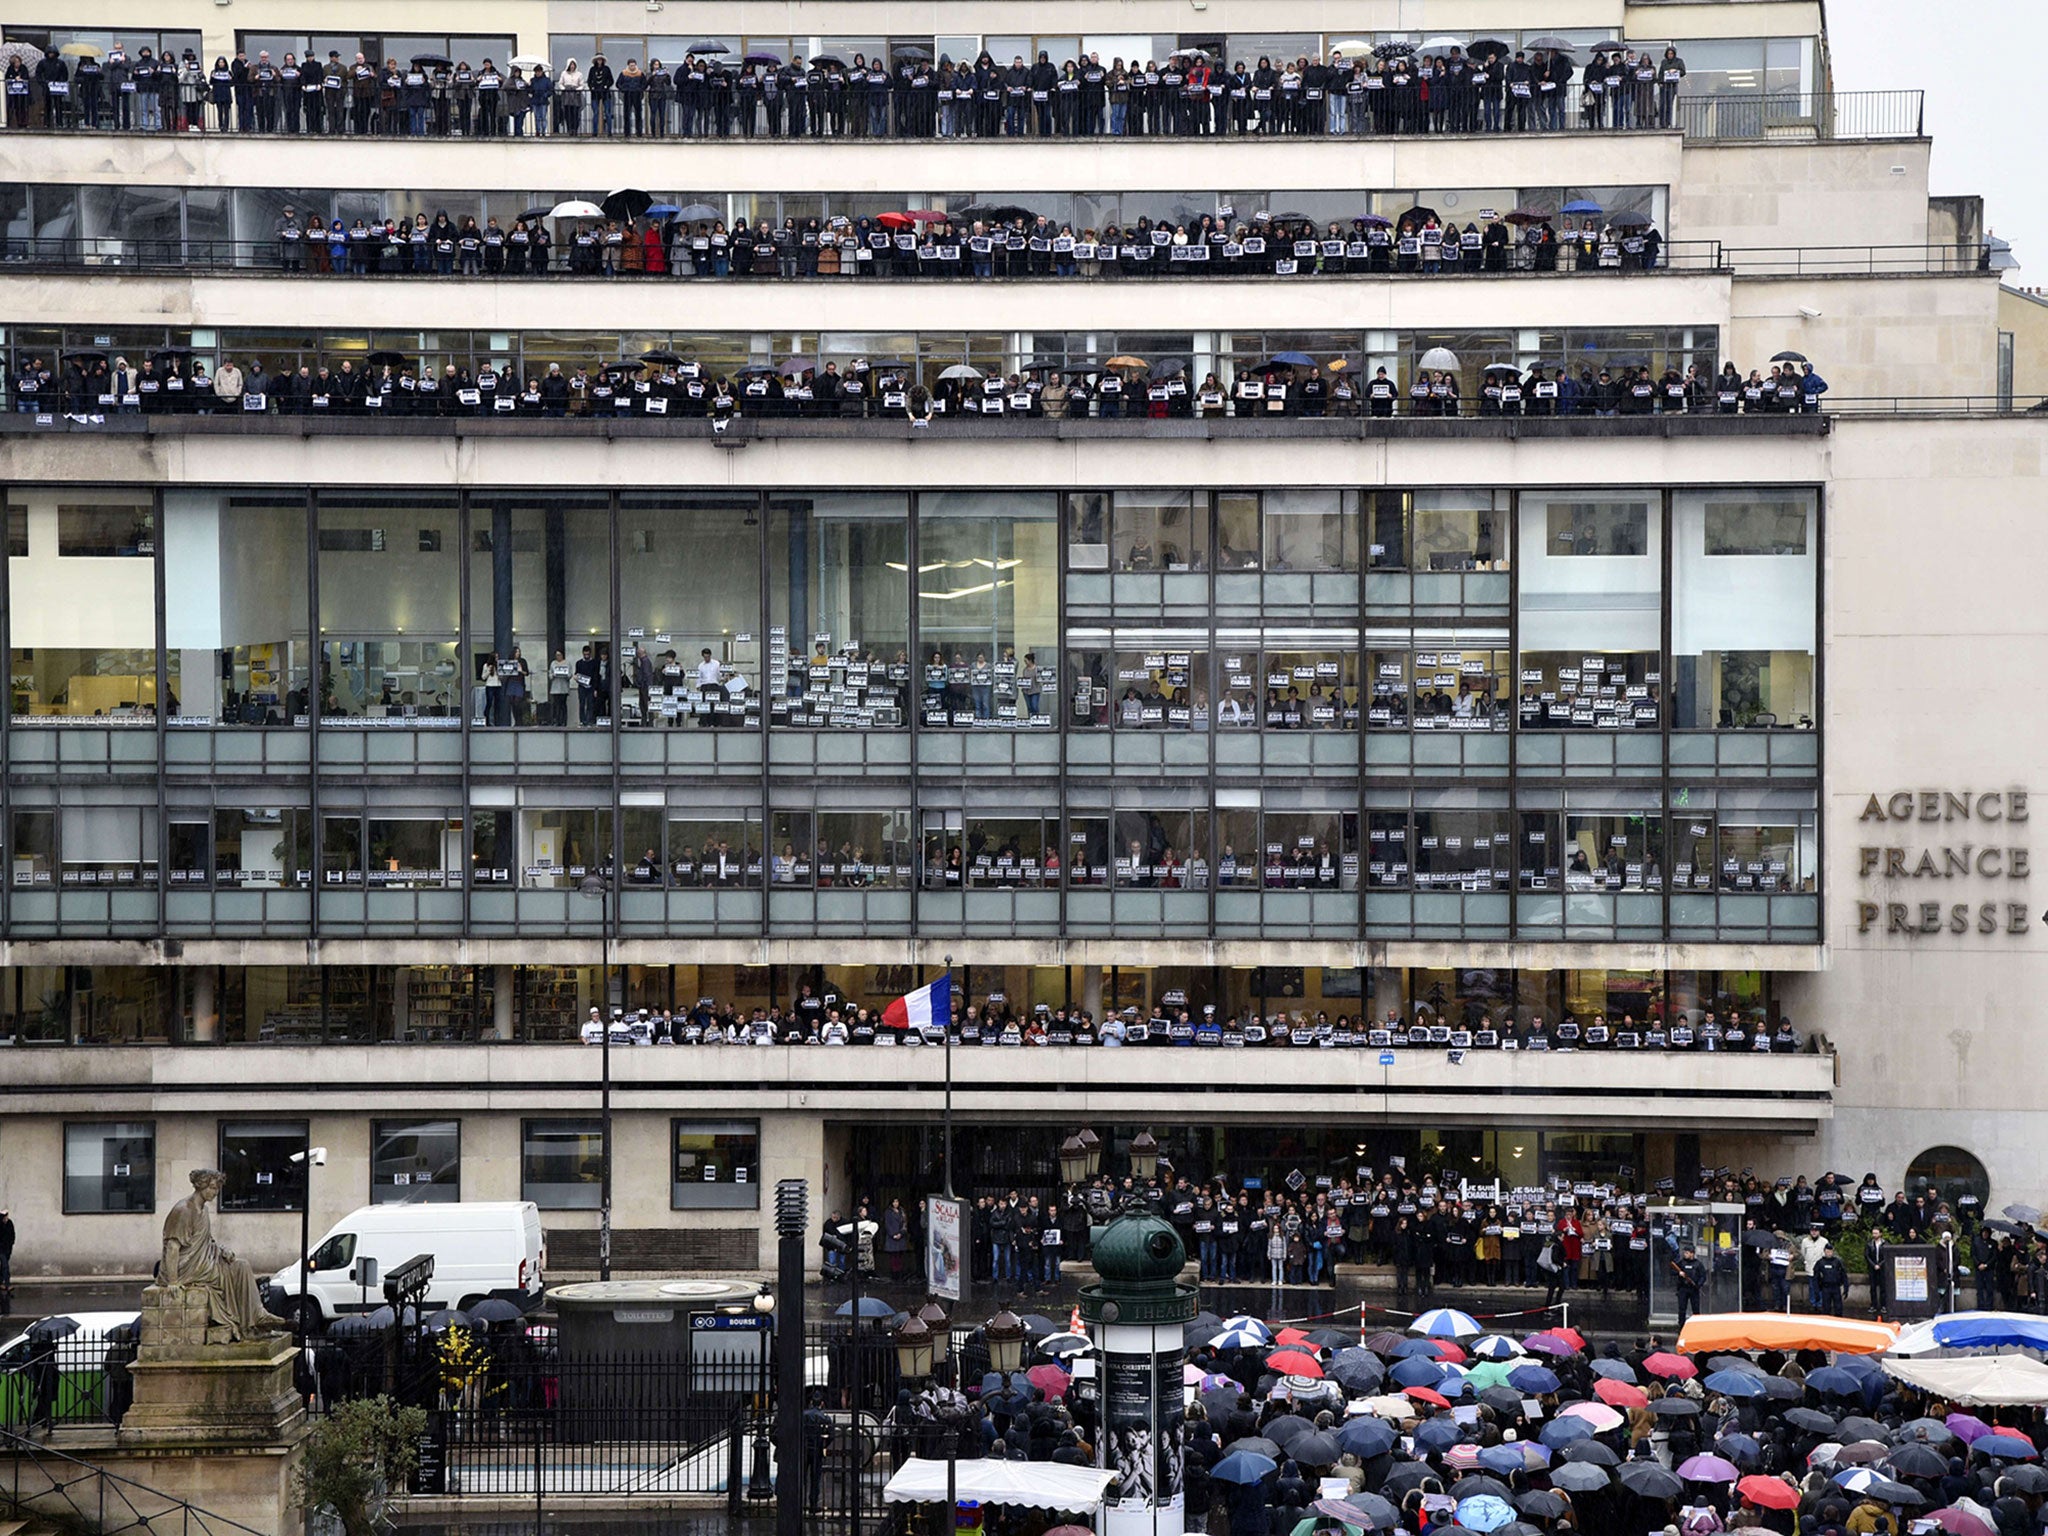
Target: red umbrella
column 1619, row 1394
column 1448, row 1352
column 1426, row 1395
column 1768, row 1492
column 1050, row 1380
column 925, row 216
column 1959, row 1522
column 1292, row 1362
column 1290, row 1336
column 1571, row 1336
column 1664, row 1363
column 895, row 220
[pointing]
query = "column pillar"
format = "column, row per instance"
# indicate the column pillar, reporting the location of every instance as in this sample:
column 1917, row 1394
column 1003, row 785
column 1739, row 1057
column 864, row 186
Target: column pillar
column 205, row 1011
column 502, row 983
column 1091, row 992
column 1136, row 1313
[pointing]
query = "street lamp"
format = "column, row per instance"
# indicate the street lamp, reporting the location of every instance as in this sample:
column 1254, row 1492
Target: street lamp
column 308, row 1160
column 933, row 1316
column 761, row 1477
column 1073, row 1161
column 1005, row 1333
column 1091, row 1144
column 1144, row 1156
column 913, row 1340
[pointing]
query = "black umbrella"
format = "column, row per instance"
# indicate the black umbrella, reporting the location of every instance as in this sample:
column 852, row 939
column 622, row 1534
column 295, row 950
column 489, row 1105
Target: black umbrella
column 1503, row 1400
column 1812, row 1420
column 909, row 51
column 1859, row 1426
column 1288, row 1428
column 1507, row 368
column 1917, row 1460
column 1167, row 367
column 1257, row 1444
column 495, row 1309
column 1783, row 1389
column 51, row 1329
column 538, row 213
column 2022, row 1478
column 1316, row 1450
column 170, row 352
column 1675, row 1408
column 661, row 355
column 1629, row 220
column 353, row 1325
column 447, row 1317
column 1000, row 213
column 82, row 357
column 1575, row 1477
column 1800, row 357
column 1759, row 1238
column 1394, row 51
column 1472, row 1487
column 439, row 60
column 1038, row 1326
column 1552, row 44
column 698, row 211
column 1409, row 1474
column 627, row 203
column 395, row 359
column 1481, row 47
column 1651, row 1479
column 1420, row 214
column 828, row 61
column 1592, row 1453
column 708, row 45
column 762, row 58
column 1543, row 1503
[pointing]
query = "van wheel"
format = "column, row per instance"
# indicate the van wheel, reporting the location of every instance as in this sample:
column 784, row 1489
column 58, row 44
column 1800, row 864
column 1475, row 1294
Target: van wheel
column 313, row 1320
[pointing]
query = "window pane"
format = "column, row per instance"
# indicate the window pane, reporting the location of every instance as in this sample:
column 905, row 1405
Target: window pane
column 256, row 1165
column 690, row 598
column 388, row 608
column 83, row 623
column 987, row 598
column 1161, row 531
column 560, row 849
column 1591, row 611
column 717, row 1165
column 863, row 850
column 562, row 1164
column 415, row 1162
column 1744, row 610
column 539, row 592
column 838, row 582
column 110, row 1168
column 715, row 852
column 235, row 612
column 1311, row 530
column 262, row 847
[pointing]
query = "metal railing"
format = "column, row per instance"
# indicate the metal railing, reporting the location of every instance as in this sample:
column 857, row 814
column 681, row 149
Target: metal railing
column 46, row 1482
column 1804, row 115
column 76, row 1382
column 1857, row 260
column 114, row 255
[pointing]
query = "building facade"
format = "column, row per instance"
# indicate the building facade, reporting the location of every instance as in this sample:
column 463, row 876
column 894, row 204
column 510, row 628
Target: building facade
column 1622, row 719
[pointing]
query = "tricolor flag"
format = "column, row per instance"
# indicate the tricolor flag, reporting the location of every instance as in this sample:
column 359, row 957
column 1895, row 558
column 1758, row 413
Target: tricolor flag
column 929, row 1008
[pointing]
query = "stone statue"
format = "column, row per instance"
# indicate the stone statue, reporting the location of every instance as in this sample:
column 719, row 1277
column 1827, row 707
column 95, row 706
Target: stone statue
column 194, row 1263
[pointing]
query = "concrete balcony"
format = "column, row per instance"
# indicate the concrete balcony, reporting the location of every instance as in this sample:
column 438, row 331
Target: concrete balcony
column 1786, row 1095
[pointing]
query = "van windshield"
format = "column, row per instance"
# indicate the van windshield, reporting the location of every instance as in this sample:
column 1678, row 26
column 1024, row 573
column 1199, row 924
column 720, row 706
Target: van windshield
column 336, row 1253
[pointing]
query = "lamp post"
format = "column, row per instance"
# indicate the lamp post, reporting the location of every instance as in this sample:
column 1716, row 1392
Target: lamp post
column 946, row 1184
column 1005, row 1333
column 1073, row 1161
column 1144, row 1156
column 600, row 886
column 792, row 1216
column 760, row 1478
column 308, row 1160
column 1091, row 1145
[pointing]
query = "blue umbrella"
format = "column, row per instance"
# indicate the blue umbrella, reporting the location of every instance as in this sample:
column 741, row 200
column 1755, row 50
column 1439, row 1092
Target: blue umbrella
column 1559, row 1433
column 1247, row 1323
column 1291, row 360
column 1485, row 1512
column 1367, row 1437
column 1416, row 1349
column 1740, row 1449
column 1533, row 1379
column 1242, row 1467
column 663, row 210
column 1833, row 1381
column 2003, row 1448
column 1438, row 1434
column 1989, row 1330
column 1242, row 1338
column 870, row 1306
column 1497, row 1347
column 1416, row 1373
column 1580, row 205
column 1444, row 1323
column 1452, row 1381
column 1735, row 1384
column 1510, row 1459
column 1615, row 1370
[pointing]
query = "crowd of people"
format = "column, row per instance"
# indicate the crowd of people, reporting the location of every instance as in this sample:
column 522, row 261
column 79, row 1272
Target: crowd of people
column 662, row 384
column 995, row 240
column 826, row 1019
column 1485, row 86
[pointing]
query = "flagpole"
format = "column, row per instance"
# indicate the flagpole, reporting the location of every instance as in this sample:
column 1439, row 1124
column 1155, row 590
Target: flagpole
column 948, row 1185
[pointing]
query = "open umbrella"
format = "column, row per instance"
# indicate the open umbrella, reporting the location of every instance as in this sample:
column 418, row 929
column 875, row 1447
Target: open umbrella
column 1485, row 1512
column 1371, row 1510
column 1925, row 1431
column 1393, row 50
column 440, row 61
column 1415, row 1372
column 1373, row 221
column 1440, row 1435
column 545, row 210
column 526, row 61
column 575, row 208
column 661, row 355
column 1050, row 1380
column 993, row 213
column 1542, row 1503
column 870, row 1306
column 1420, row 1349
column 355, row 1325
column 29, row 54
column 909, row 51
column 1736, row 1384
column 1740, row 1449
column 1534, row 1379
column 1549, row 44
column 1288, row 1428
column 768, row 60
column 1242, row 1467
column 380, row 359
column 446, row 1318
column 1365, row 1437
column 1675, row 1408
column 1439, row 357
column 1407, row 1476
column 1812, row 1420
column 925, row 216
column 1511, row 1457
column 1966, row 1427
column 1580, row 1477
column 1613, row 1370
column 50, row 1329
column 1289, row 360
column 1651, row 1479
column 1580, row 205
column 1496, row 1346
column 1561, row 1433
column 827, row 61
column 495, row 1309
column 1506, row 1402
column 1331, row 1338
column 1063, row 1346
column 1428, row 1395
column 1386, row 1341
column 1527, row 216
column 1443, row 1322
column 1593, row 1453
column 1598, row 1417
column 1316, row 1450
column 2020, row 1479
column 1960, row 1522
column 1708, row 1469
column 1833, row 1381
column 1619, row 1394
column 968, row 371
column 82, row 51
column 1257, row 1445
column 1629, row 220
column 627, row 202
column 2026, row 1213
column 1768, row 1492
column 1479, row 1485
column 1548, row 1342
column 1858, row 1427
column 1670, row 1366
column 1438, row 46
column 1481, row 47
column 2005, row 1445
column 708, row 45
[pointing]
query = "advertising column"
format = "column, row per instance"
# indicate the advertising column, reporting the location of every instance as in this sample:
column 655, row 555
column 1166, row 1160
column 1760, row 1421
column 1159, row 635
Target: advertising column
column 1142, row 1429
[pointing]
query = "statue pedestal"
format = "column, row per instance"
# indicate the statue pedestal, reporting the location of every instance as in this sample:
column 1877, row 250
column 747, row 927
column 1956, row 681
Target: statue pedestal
column 190, row 1389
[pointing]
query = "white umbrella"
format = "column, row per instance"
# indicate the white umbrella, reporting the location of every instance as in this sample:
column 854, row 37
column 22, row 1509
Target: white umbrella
column 1440, row 45
column 525, row 61
column 29, row 54
column 1435, row 357
column 576, row 208
column 961, row 371
column 1351, row 45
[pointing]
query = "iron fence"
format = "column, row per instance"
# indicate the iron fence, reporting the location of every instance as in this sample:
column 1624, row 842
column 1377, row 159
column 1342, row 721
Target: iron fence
column 1811, row 115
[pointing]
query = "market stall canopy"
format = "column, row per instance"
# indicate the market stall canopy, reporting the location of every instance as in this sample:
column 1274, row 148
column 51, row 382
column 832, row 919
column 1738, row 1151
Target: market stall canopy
column 1975, row 1379
column 1777, row 1330
column 1022, row 1484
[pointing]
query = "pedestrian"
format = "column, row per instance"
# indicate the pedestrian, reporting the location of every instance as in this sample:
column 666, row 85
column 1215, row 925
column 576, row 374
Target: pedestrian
column 6, row 1262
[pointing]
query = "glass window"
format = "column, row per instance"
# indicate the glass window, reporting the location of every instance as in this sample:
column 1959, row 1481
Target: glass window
column 1089, row 672
column 987, row 606
column 1161, row 690
column 1462, row 850
column 1950, row 1174
column 107, row 844
column 412, row 853
column 1387, row 862
column 188, row 858
column 717, row 1165
column 1311, row 690
column 539, row 591
column 1591, row 610
column 32, row 847
column 17, row 532
column 259, row 848
column 714, row 851
column 110, row 1168
column 415, row 1162
column 1237, row 531
column 235, row 613
column 256, row 1165
column 1311, row 530
column 865, row 850
column 1162, row 850
column 389, row 608
column 82, row 626
column 690, row 600
column 790, row 860
column 1314, row 849
column 341, row 850
column 559, row 849
column 1088, row 531
column 1619, row 852
column 1161, row 531
column 1765, row 851
column 838, row 640
column 1744, row 610
column 1459, row 683
column 1088, row 850
column 561, row 1165
column 1438, row 530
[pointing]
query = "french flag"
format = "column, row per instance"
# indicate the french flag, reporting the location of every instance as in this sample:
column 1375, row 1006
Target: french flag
column 929, row 1008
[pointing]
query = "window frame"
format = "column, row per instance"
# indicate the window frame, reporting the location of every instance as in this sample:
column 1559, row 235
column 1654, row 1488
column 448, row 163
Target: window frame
column 135, row 1129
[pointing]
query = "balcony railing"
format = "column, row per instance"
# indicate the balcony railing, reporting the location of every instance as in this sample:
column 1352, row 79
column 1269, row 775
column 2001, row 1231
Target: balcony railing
column 1804, row 115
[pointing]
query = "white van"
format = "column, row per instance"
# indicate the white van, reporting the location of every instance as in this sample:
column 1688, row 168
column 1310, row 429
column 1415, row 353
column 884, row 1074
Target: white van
column 481, row 1248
